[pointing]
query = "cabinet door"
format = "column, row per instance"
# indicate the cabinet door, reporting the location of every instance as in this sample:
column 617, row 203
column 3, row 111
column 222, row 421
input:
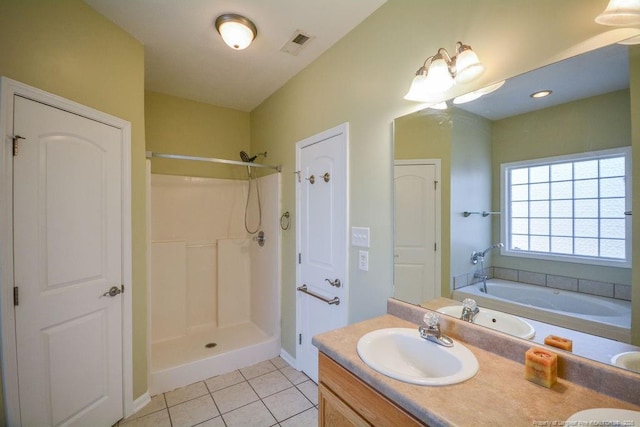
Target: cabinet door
column 358, row 404
column 333, row 412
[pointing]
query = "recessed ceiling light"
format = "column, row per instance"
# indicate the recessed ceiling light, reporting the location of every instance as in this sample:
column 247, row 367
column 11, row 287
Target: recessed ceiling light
column 541, row 94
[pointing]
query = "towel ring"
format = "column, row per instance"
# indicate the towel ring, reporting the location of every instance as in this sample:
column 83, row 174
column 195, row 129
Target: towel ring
column 285, row 221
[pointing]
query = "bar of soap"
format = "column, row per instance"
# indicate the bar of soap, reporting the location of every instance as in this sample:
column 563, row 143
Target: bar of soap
column 559, row 342
column 541, row 367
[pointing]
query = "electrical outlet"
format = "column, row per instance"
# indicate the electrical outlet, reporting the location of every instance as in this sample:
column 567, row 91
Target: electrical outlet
column 363, row 260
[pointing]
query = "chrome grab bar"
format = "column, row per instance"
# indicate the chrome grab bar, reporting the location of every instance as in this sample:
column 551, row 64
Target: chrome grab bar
column 304, row 289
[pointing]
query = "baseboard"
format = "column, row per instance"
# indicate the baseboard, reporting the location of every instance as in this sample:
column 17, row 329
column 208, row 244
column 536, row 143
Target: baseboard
column 140, row 403
column 288, row 358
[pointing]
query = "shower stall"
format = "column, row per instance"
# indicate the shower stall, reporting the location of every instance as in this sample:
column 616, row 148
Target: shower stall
column 214, row 285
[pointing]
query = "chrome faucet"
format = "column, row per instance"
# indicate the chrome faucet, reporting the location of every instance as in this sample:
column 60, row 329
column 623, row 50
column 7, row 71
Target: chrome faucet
column 484, row 277
column 432, row 331
column 479, row 257
column 469, row 310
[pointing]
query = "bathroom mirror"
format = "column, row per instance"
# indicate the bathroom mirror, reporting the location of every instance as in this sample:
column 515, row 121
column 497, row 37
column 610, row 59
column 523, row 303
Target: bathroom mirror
column 588, row 110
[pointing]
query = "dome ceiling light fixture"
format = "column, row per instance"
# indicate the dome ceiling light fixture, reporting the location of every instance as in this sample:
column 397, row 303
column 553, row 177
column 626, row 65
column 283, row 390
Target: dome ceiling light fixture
column 441, row 72
column 237, row 31
column 620, row 13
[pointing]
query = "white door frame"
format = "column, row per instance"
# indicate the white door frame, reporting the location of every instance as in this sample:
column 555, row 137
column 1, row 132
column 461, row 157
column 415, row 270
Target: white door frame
column 329, row 133
column 438, row 214
column 8, row 89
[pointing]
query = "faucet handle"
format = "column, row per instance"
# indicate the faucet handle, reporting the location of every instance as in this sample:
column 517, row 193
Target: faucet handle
column 431, row 319
column 469, row 303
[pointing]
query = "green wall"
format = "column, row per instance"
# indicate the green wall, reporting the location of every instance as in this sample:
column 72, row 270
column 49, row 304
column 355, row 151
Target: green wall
column 179, row 126
column 596, row 123
column 66, row 48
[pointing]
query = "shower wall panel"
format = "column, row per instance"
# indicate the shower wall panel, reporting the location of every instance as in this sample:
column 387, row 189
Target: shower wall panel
column 188, row 217
column 234, row 275
column 169, row 296
column 265, row 260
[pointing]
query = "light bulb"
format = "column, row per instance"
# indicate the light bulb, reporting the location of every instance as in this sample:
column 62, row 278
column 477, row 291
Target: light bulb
column 620, row 13
column 439, row 77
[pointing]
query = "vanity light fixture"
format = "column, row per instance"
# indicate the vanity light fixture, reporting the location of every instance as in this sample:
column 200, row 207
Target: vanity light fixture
column 237, row 31
column 541, row 94
column 441, row 72
column 620, row 13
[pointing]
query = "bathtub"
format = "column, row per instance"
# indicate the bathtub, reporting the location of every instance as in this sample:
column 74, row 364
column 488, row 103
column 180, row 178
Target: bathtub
column 606, row 317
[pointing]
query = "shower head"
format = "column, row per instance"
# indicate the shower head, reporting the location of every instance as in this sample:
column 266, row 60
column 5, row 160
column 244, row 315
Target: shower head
column 245, row 157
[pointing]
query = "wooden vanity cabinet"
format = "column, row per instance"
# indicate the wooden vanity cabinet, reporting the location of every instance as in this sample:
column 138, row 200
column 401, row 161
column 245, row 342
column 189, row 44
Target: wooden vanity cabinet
column 345, row 400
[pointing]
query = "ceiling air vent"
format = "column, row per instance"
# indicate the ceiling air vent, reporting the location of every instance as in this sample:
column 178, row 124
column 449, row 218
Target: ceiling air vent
column 296, row 42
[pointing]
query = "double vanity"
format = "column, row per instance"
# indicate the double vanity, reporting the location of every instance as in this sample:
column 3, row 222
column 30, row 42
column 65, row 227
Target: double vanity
column 354, row 391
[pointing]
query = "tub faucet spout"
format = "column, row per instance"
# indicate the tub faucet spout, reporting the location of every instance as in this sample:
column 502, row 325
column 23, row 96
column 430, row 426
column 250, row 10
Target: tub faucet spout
column 484, row 277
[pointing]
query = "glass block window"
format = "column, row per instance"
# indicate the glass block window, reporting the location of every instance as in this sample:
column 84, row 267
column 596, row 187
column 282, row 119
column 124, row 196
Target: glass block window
column 569, row 207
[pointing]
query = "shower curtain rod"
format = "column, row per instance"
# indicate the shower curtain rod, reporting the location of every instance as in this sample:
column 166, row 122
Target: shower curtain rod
column 151, row 154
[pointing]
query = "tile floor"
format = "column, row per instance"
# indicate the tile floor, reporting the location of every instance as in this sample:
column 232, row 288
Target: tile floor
column 270, row 393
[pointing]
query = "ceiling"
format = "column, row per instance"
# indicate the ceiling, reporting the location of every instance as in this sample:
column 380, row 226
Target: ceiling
column 185, row 56
column 593, row 73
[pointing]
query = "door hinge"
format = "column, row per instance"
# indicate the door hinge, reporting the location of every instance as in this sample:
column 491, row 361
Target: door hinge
column 16, row 138
column 16, row 297
column 300, row 339
column 435, row 247
column 435, row 185
column 299, row 258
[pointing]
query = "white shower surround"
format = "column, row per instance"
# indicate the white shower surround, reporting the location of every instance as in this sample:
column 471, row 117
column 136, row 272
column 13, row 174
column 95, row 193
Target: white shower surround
column 192, row 220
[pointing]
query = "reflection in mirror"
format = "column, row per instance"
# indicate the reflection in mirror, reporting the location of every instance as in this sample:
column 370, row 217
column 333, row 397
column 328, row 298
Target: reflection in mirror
column 577, row 293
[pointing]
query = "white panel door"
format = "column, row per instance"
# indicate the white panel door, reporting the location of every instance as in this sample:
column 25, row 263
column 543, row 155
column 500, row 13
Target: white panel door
column 322, row 240
column 67, row 254
column 415, row 270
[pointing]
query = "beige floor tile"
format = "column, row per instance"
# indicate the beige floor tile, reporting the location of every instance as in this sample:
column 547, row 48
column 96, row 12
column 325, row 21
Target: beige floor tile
column 279, row 362
column 193, row 412
column 310, row 390
column 268, row 384
column 258, row 369
column 214, row 422
column 254, row 415
column 186, row 393
column 294, row 375
column 308, row 418
column 156, row 419
column 287, row 403
column 234, row 397
column 224, row 381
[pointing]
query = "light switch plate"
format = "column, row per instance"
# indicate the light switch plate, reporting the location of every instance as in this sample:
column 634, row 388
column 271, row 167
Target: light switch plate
column 360, row 236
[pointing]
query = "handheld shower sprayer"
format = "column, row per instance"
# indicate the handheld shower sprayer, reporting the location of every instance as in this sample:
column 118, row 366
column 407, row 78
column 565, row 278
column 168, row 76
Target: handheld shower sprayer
column 492, row 247
column 250, row 159
column 479, row 256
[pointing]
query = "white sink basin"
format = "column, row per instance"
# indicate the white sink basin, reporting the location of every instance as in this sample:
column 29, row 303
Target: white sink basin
column 402, row 354
column 629, row 360
column 497, row 320
column 605, row 417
